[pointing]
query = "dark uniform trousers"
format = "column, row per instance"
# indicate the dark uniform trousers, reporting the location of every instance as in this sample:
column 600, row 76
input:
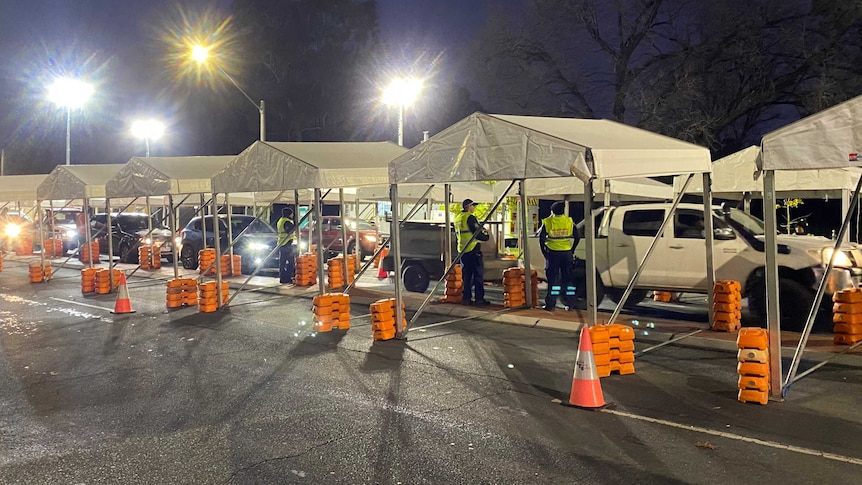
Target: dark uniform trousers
column 286, row 262
column 558, row 272
column 473, row 272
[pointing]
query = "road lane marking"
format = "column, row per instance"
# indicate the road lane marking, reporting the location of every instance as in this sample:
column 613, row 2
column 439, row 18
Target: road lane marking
column 72, row 302
column 746, row 439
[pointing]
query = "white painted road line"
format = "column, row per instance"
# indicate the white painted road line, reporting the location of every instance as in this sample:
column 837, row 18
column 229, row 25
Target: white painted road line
column 72, row 302
column 756, row 441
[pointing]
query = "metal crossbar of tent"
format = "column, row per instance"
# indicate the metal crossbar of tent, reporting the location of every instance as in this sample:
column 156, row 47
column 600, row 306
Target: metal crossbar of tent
column 84, row 183
column 170, row 177
column 519, row 148
column 267, row 167
column 828, row 140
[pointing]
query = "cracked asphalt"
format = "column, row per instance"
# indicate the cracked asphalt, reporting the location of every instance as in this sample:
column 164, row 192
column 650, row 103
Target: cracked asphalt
column 254, row 395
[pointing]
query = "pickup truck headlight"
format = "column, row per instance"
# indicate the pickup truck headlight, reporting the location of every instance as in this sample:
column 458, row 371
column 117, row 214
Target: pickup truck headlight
column 256, row 246
column 842, row 259
column 12, row 230
column 70, row 234
column 370, row 237
column 146, row 240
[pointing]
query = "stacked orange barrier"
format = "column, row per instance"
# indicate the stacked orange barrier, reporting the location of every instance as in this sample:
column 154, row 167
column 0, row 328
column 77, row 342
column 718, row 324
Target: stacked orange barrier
column 103, row 281
column 662, row 296
column 206, row 261
column 753, row 366
column 513, row 288
column 24, row 246
column 236, row 265
column 39, row 273
column 53, row 248
column 306, row 270
column 88, row 280
column 208, row 302
column 847, row 316
column 383, row 319
column 335, row 271
column 727, row 306
column 181, row 292
column 613, row 349
column 87, row 254
column 144, row 253
column 331, row 310
column 454, row 286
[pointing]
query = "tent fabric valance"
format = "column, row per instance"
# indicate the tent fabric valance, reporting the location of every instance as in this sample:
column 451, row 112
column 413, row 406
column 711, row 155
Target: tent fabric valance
column 831, row 138
column 740, row 173
column 20, row 188
column 77, row 181
column 501, row 147
column 142, row 177
column 277, row 166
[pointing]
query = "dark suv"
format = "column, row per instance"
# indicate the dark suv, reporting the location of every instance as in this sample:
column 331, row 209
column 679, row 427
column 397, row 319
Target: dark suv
column 129, row 232
column 253, row 246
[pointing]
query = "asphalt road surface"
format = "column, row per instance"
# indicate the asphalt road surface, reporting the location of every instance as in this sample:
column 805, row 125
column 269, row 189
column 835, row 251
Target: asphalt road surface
column 254, row 395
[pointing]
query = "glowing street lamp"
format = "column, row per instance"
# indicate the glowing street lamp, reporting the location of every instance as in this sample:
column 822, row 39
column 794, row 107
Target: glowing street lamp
column 402, row 92
column 148, row 130
column 70, row 94
column 201, row 55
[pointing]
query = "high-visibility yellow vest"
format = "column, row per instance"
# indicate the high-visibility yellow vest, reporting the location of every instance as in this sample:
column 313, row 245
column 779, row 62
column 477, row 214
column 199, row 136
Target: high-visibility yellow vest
column 284, row 238
column 560, row 230
column 462, row 231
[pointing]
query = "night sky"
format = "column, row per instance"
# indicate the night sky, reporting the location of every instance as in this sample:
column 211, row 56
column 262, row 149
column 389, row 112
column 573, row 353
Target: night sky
column 41, row 39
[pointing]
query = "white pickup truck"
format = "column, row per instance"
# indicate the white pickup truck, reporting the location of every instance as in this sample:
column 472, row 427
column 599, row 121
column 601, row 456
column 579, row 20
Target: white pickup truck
column 678, row 262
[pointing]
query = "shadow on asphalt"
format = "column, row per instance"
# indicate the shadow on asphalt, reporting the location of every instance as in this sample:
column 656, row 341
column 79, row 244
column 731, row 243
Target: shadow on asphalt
column 384, row 355
column 318, row 343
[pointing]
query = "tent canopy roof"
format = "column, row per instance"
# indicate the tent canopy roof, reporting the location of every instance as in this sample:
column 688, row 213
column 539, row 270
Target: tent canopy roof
column 739, row 172
column 501, row 147
column 77, row 181
column 276, row 166
column 20, row 188
column 827, row 139
column 142, row 177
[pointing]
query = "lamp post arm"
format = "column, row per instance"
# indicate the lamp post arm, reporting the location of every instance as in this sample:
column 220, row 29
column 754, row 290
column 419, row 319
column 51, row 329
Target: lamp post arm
column 232, row 81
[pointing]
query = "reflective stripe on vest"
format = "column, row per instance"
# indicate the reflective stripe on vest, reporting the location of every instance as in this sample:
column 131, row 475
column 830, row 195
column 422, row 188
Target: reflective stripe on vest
column 284, row 238
column 462, row 231
column 560, row 231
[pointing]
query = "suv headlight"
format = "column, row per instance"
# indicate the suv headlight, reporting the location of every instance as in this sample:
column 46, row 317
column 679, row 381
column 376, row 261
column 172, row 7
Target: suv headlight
column 12, row 230
column 842, row 259
column 146, row 240
column 256, row 246
column 70, row 234
column 370, row 237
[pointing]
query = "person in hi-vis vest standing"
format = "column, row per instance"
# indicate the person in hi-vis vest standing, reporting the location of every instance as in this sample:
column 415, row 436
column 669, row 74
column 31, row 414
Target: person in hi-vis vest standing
column 286, row 249
column 558, row 239
column 472, row 268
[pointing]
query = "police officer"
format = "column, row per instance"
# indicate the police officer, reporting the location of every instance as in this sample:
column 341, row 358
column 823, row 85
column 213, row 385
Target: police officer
column 472, row 268
column 286, row 249
column 558, row 240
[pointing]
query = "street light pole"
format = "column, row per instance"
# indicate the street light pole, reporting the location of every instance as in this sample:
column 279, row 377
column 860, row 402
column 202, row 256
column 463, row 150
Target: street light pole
column 401, row 124
column 68, row 135
column 69, row 93
column 402, row 92
column 148, row 130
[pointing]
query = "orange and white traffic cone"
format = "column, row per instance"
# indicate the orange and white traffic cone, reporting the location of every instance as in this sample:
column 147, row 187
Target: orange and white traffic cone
column 586, row 389
column 123, row 304
column 381, row 273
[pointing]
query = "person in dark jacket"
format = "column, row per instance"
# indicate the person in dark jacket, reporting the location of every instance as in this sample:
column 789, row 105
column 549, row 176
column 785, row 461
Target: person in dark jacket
column 472, row 268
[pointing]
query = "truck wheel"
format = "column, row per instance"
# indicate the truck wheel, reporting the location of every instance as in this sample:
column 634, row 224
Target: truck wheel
column 616, row 294
column 415, row 278
column 795, row 300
